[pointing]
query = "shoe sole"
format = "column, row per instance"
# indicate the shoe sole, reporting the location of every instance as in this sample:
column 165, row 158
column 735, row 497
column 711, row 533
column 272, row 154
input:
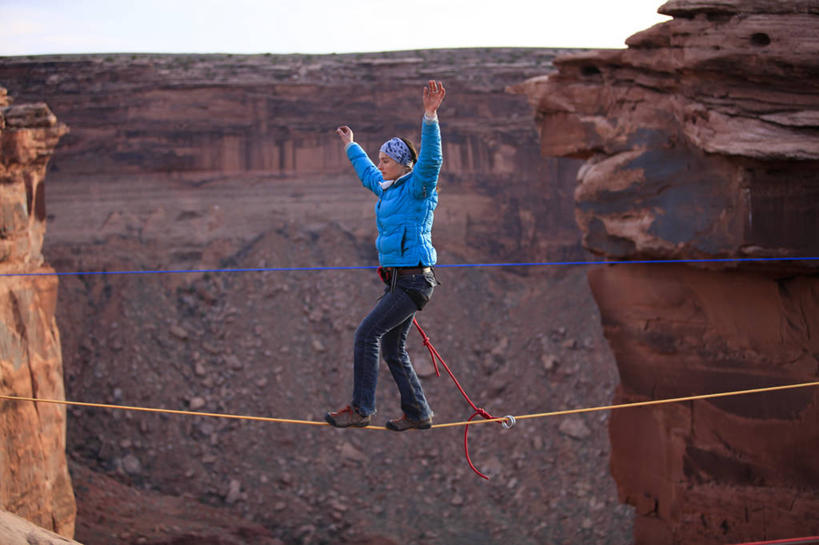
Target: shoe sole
column 425, row 426
column 330, row 420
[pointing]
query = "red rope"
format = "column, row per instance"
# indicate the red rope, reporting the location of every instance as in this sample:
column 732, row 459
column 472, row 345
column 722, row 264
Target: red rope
column 478, row 411
column 791, row 541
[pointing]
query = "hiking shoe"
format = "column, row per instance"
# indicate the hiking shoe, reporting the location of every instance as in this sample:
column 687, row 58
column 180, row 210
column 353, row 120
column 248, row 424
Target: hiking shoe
column 347, row 417
column 405, row 423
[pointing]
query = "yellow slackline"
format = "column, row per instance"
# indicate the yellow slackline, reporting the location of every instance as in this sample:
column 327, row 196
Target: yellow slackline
column 636, row 404
column 168, row 411
column 447, row 425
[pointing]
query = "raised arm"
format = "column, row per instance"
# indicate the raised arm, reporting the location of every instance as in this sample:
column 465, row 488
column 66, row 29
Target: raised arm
column 367, row 172
column 430, row 158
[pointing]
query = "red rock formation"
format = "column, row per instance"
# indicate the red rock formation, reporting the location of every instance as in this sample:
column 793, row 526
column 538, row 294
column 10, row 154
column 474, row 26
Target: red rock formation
column 701, row 141
column 34, row 480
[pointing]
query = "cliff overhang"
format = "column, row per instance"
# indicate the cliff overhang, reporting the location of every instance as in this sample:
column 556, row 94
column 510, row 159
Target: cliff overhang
column 701, row 141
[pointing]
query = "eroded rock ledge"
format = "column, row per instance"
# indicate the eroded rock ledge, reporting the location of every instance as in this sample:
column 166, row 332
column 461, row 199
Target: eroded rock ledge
column 34, row 480
column 701, row 140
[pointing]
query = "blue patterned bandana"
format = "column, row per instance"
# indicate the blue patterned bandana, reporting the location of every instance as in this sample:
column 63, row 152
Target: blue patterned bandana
column 398, row 151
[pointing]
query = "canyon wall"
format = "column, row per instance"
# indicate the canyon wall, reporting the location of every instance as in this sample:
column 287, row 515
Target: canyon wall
column 202, row 121
column 34, row 479
column 202, row 161
column 701, row 141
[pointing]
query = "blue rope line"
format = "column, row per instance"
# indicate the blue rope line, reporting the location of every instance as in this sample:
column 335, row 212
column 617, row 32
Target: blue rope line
column 440, row 266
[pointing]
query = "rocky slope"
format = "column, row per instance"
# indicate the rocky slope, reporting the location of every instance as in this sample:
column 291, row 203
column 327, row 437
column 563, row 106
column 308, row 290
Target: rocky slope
column 701, row 140
column 180, row 162
column 111, row 512
column 34, row 480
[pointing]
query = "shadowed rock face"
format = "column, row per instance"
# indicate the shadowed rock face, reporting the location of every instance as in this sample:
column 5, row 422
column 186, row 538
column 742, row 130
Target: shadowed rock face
column 34, row 480
column 689, row 134
column 701, row 140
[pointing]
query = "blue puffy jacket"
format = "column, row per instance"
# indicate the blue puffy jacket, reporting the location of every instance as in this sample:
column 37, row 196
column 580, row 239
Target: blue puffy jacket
column 404, row 211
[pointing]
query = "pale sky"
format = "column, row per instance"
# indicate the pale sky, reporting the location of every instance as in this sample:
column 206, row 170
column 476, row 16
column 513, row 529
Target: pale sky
column 34, row 27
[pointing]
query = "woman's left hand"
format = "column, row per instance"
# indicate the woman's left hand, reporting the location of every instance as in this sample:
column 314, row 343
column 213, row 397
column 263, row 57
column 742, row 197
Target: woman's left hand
column 434, row 94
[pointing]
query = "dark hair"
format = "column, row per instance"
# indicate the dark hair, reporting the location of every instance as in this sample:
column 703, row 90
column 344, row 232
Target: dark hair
column 414, row 154
column 411, row 146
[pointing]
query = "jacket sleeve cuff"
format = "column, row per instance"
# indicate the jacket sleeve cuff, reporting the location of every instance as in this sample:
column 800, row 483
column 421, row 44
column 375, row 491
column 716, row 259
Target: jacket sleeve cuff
column 431, row 119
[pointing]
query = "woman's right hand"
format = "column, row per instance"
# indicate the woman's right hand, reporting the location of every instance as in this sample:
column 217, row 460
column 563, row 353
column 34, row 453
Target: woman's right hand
column 434, row 94
column 345, row 133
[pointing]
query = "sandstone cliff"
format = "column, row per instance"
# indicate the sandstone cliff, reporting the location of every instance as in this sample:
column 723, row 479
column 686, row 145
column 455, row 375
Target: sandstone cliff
column 34, row 480
column 701, row 140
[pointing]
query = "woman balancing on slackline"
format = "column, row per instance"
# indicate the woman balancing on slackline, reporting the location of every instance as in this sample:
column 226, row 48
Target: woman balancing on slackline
column 405, row 184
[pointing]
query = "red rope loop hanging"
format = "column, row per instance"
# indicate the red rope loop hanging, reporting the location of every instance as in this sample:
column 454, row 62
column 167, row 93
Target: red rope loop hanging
column 436, row 357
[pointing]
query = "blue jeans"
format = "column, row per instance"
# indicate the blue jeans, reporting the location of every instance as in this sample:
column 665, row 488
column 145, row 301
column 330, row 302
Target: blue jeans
column 386, row 327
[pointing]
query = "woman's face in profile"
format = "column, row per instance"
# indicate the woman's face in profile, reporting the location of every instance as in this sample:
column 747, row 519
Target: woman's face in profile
column 389, row 168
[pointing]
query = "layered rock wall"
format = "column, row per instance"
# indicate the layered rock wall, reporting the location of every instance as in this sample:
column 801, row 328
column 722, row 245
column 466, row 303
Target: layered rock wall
column 197, row 121
column 701, row 141
column 34, row 479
